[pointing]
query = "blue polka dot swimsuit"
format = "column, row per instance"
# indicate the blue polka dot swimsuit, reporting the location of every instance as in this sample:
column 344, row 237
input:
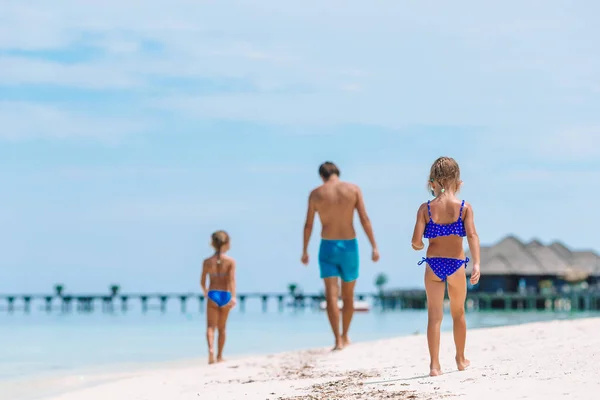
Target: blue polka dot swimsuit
column 443, row 267
column 433, row 230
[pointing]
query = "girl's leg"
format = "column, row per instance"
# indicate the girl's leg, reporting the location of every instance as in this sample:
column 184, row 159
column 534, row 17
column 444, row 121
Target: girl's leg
column 223, row 314
column 212, row 320
column 435, row 311
column 457, row 291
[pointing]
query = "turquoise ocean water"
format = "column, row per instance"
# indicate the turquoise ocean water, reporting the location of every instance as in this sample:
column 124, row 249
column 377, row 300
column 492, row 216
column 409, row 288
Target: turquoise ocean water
column 41, row 344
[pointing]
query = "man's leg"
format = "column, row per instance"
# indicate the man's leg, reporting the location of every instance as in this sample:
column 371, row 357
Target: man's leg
column 348, row 311
column 333, row 311
column 349, row 273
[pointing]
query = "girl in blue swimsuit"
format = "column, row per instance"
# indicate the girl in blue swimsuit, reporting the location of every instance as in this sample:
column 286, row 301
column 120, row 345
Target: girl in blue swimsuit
column 445, row 221
column 220, row 293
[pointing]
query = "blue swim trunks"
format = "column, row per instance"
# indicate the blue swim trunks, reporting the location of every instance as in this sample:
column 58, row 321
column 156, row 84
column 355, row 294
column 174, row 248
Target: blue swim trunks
column 339, row 258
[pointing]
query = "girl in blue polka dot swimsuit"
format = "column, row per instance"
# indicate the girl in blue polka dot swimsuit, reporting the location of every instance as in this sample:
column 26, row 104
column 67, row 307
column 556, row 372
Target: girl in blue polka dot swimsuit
column 445, row 221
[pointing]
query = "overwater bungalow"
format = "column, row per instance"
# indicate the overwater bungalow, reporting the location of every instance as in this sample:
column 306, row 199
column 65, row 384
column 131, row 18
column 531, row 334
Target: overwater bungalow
column 511, row 266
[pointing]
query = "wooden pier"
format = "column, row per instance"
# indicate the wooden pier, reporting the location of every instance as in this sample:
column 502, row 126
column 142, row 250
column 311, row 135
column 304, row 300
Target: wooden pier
column 400, row 300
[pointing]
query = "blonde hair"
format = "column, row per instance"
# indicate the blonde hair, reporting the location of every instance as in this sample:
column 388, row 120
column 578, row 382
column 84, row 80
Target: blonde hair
column 219, row 239
column 446, row 172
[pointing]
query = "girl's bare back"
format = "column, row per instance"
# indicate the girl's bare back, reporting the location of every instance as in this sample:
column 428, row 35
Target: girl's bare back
column 219, row 274
column 445, row 211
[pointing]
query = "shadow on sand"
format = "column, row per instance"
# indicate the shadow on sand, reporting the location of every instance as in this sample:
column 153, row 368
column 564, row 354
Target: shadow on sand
column 409, row 379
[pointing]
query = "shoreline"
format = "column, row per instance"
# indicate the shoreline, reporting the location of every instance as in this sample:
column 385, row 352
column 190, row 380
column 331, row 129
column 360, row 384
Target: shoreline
column 52, row 368
column 544, row 355
column 94, row 369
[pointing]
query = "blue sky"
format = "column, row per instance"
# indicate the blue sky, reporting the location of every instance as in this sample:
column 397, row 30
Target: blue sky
column 130, row 132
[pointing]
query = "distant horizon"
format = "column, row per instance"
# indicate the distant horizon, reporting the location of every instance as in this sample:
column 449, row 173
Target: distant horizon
column 388, row 286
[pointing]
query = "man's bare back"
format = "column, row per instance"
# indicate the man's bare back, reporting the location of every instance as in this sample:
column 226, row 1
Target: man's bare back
column 335, row 202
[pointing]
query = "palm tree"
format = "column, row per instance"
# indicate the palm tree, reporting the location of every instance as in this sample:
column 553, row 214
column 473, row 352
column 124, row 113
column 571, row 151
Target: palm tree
column 114, row 290
column 380, row 281
column 58, row 288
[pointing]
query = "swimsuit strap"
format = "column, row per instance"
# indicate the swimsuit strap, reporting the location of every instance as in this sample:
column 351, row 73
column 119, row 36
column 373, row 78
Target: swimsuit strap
column 467, row 261
column 461, row 209
column 422, row 261
column 429, row 209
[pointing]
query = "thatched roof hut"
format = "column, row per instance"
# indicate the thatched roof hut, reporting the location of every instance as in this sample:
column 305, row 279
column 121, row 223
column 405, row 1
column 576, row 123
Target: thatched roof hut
column 511, row 256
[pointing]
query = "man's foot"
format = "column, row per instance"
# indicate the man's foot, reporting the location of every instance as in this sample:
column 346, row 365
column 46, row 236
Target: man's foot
column 339, row 345
column 462, row 363
column 346, row 340
column 211, row 357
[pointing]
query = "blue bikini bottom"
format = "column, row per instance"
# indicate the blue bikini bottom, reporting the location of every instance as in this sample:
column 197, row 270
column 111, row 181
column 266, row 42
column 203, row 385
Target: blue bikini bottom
column 444, row 267
column 220, row 297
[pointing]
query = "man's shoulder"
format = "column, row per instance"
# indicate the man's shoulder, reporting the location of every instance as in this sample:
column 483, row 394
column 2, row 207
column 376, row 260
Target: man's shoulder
column 316, row 191
column 345, row 186
column 350, row 186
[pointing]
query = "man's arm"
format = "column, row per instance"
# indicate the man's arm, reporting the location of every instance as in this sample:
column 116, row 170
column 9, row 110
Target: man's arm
column 308, row 225
column 364, row 218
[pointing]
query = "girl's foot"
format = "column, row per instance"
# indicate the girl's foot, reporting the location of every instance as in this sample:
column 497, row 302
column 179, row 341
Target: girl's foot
column 462, row 363
column 435, row 370
column 346, row 340
column 211, row 357
column 220, row 359
column 339, row 345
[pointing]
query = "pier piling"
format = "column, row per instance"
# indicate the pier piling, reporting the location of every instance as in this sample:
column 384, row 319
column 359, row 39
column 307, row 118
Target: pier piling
column 163, row 303
column 144, row 300
column 124, row 303
column 27, row 304
column 11, row 304
column 265, row 299
column 48, row 303
column 66, row 303
column 242, row 302
column 183, row 300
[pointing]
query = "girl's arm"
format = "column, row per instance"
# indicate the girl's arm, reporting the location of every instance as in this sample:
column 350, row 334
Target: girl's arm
column 473, row 240
column 203, row 279
column 417, row 239
column 232, row 286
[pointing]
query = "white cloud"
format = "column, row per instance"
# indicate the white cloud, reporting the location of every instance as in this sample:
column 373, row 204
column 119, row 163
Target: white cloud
column 392, row 65
column 275, row 168
column 571, row 144
column 191, row 210
column 27, row 120
column 546, row 176
column 21, row 70
column 574, row 143
column 107, row 172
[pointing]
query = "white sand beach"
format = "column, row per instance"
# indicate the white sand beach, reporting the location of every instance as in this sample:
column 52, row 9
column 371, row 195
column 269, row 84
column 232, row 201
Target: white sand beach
column 551, row 360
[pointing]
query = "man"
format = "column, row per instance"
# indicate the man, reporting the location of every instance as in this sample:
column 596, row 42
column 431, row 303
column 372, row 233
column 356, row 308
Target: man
column 335, row 201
